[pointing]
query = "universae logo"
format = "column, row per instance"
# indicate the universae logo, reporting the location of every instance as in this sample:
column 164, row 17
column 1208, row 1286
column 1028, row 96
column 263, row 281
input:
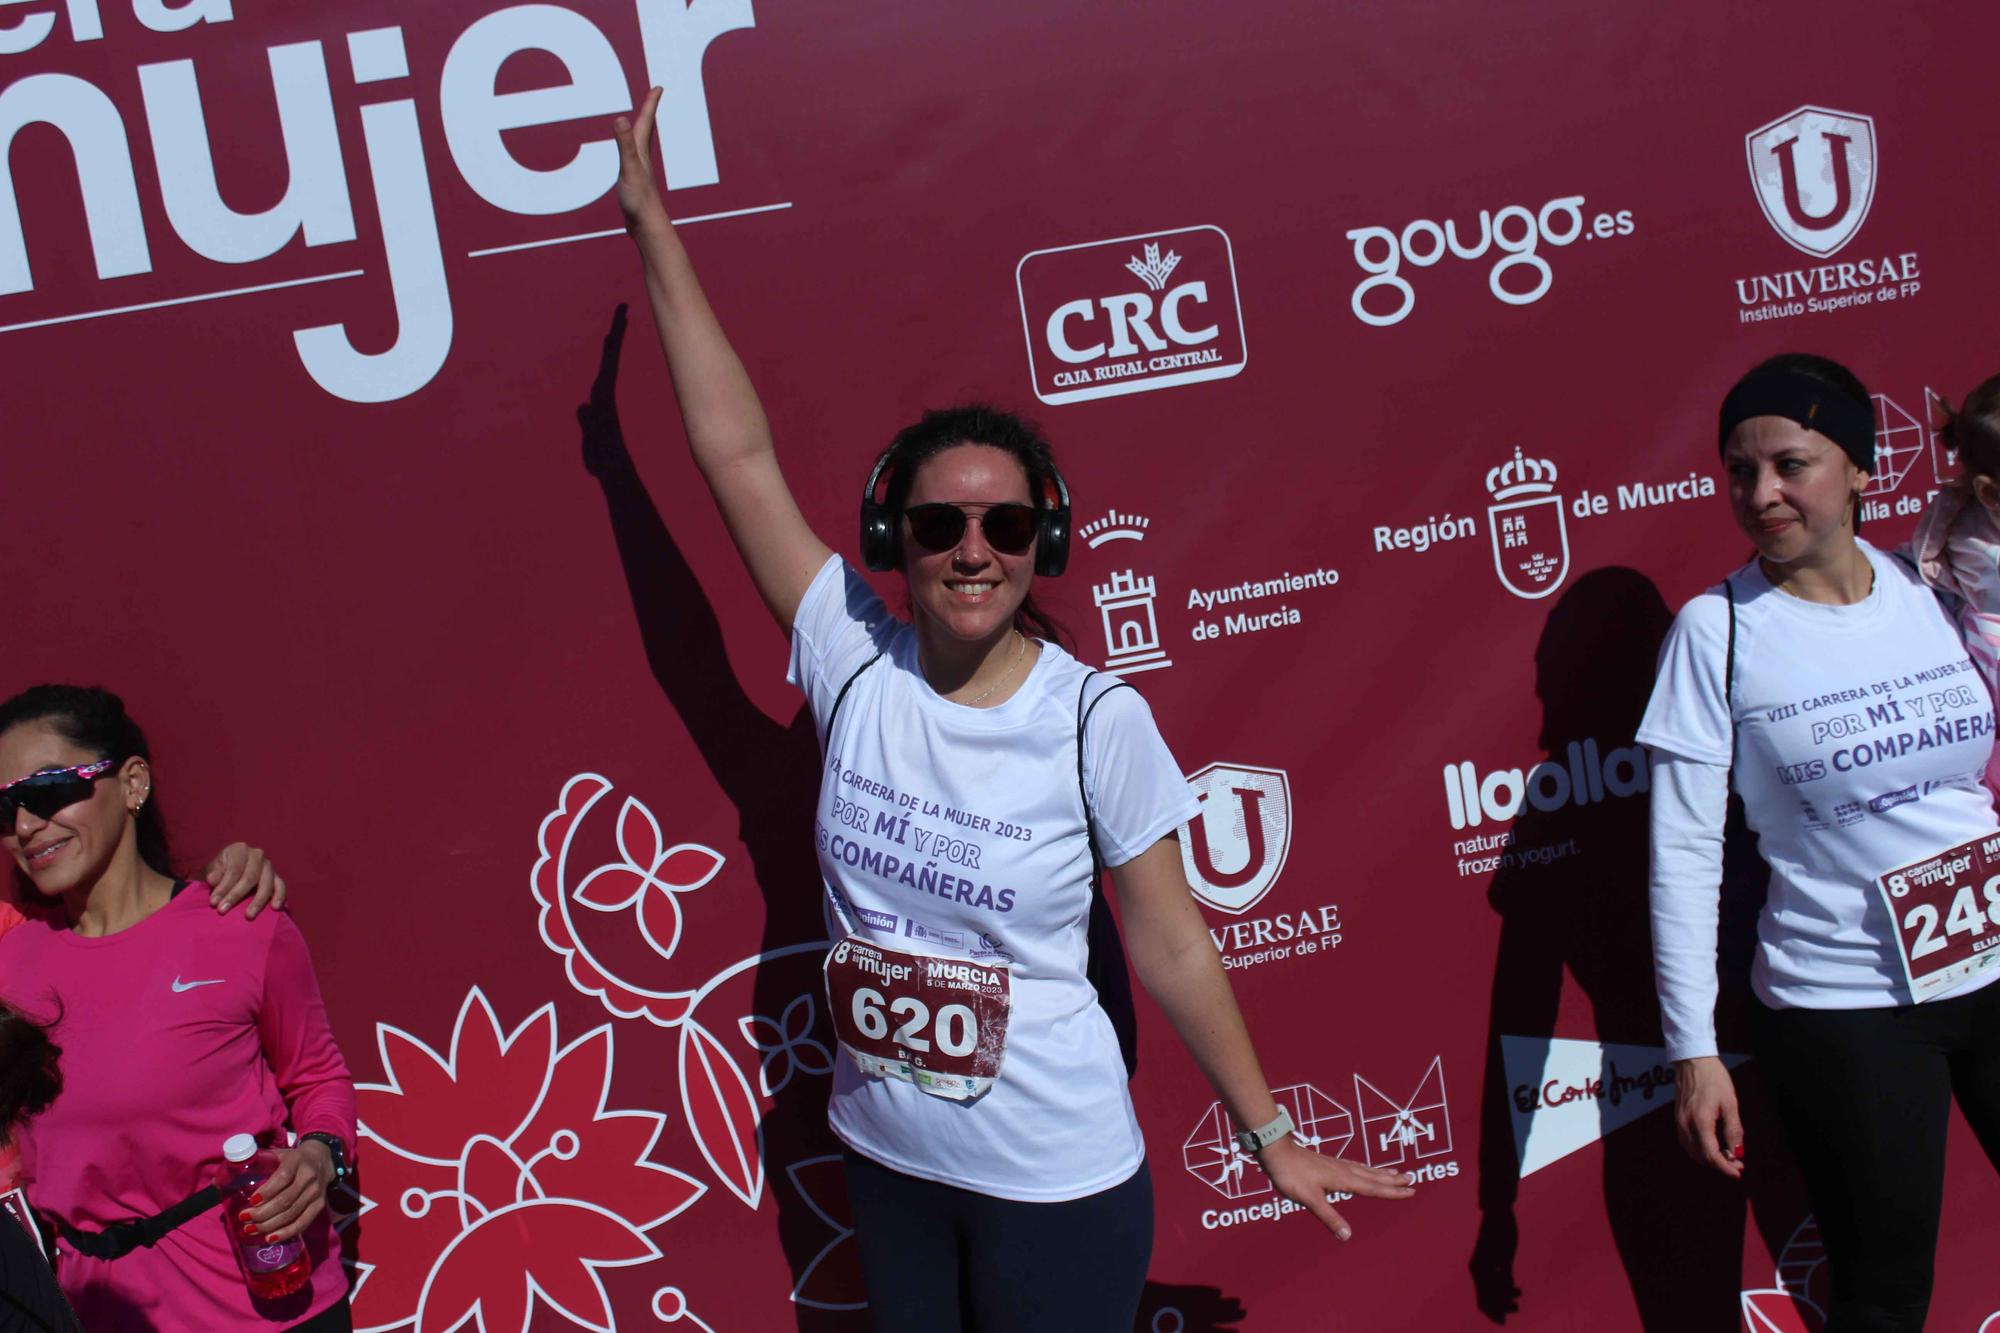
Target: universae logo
column 1131, row 314
column 1236, row 846
column 1814, row 173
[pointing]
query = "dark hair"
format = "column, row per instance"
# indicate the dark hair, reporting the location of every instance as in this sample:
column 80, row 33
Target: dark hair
column 95, row 720
column 1829, row 372
column 1973, row 430
column 30, row 1068
column 1824, row 369
column 940, row 429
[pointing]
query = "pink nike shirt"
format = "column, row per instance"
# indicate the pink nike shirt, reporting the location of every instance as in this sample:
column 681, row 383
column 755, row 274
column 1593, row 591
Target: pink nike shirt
column 176, row 1033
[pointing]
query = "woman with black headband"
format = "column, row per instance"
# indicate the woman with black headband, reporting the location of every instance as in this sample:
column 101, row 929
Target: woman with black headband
column 973, row 774
column 1824, row 684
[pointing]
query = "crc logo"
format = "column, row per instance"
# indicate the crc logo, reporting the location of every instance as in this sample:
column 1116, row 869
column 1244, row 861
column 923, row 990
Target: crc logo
column 1132, row 314
column 1236, row 846
column 1530, row 539
column 1814, row 173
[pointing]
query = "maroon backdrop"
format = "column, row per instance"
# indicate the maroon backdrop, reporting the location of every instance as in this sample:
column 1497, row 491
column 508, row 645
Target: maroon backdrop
column 1386, row 519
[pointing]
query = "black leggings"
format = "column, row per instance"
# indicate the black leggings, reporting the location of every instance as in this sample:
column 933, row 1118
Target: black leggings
column 938, row 1258
column 1865, row 1097
column 333, row 1319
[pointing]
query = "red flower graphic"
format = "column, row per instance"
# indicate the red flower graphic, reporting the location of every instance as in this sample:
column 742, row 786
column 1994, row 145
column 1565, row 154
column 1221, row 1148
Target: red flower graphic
column 722, row 1109
column 649, row 875
column 499, row 1179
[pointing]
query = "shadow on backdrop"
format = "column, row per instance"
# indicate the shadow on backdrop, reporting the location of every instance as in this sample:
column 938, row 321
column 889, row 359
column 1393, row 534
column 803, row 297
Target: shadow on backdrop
column 770, row 773
column 1570, row 892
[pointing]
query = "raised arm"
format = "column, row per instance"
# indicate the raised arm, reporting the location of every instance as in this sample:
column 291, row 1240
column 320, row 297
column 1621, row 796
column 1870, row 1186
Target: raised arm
column 726, row 429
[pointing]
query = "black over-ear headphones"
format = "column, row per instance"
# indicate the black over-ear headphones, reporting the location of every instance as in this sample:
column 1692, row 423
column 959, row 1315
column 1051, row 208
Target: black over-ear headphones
column 882, row 530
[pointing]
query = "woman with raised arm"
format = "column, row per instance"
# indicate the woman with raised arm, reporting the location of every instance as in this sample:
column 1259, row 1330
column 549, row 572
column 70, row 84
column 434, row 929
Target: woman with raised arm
column 974, row 774
column 1823, row 683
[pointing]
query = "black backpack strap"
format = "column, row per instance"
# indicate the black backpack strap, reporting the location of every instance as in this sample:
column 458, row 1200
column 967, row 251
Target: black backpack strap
column 841, row 697
column 1105, row 968
column 123, row 1237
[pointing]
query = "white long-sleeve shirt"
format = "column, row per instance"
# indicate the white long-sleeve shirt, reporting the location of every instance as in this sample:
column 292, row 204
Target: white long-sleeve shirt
column 1860, row 734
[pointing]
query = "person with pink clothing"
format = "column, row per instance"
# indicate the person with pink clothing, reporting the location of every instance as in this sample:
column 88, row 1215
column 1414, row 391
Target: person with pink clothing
column 179, row 1028
column 1957, row 542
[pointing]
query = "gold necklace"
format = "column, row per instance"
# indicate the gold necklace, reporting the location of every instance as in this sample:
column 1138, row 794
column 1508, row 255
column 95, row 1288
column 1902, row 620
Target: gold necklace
column 1020, row 646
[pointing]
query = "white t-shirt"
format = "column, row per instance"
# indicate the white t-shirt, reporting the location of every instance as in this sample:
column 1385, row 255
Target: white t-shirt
column 993, row 864
column 1861, row 734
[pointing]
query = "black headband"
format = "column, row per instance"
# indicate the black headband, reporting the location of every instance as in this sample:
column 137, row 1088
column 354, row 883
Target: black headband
column 1812, row 403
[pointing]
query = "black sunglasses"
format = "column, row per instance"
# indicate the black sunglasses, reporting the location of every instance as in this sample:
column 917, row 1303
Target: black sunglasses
column 43, row 794
column 1009, row 528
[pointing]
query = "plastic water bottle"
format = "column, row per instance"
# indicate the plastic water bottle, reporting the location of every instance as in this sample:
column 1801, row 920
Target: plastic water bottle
column 271, row 1269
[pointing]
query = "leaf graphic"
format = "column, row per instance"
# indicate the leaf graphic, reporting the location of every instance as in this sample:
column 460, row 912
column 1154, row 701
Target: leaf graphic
column 1777, row 1311
column 639, row 840
column 660, row 922
column 610, row 888
column 722, row 1112
column 688, row 866
column 832, row 1279
column 761, row 1032
column 544, row 1251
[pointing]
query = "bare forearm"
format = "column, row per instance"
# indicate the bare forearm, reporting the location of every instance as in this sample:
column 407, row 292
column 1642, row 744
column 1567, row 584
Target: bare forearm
column 1184, row 976
column 725, row 421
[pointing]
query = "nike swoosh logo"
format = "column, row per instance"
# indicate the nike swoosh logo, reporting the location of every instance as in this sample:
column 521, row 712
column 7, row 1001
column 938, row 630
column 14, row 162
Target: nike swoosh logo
column 180, row 985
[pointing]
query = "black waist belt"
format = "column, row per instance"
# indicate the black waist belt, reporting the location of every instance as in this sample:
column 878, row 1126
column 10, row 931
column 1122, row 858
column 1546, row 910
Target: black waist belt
column 123, row 1237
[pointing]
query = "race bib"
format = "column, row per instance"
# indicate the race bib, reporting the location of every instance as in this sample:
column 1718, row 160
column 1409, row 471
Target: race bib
column 1947, row 913
column 940, row 1023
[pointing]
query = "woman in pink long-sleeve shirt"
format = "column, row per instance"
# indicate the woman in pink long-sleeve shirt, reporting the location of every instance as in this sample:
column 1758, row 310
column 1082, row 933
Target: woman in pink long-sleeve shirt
column 179, row 1028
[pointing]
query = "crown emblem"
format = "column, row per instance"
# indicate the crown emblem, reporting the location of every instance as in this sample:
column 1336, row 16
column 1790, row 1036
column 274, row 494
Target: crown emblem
column 1153, row 269
column 1113, row 527
column 1522, row 476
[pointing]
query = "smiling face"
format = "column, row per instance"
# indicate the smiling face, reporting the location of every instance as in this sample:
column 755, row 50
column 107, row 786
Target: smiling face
column 972, row 591
column 71, row 847
column 1792, row 490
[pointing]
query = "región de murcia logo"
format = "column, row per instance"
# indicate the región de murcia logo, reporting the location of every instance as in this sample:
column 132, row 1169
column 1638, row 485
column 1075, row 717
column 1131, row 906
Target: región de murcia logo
column 1530, row 540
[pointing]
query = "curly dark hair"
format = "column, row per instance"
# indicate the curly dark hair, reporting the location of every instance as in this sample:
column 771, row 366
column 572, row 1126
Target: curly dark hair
column 95, row 720
column 30, row 1068
column 945, row 428
column 1972, row 430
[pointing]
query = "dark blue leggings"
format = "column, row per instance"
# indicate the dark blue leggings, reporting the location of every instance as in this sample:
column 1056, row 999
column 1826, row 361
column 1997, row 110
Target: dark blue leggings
column 945, row 1260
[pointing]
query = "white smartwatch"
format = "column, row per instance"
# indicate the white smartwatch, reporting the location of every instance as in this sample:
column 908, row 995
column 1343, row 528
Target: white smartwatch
column 1254, row 1141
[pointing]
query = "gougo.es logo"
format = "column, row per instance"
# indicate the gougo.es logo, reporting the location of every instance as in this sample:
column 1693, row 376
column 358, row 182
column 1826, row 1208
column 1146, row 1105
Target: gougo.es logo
column 1521, row 276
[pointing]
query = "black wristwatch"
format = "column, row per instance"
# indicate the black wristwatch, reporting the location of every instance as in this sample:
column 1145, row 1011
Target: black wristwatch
column 335, row 1147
